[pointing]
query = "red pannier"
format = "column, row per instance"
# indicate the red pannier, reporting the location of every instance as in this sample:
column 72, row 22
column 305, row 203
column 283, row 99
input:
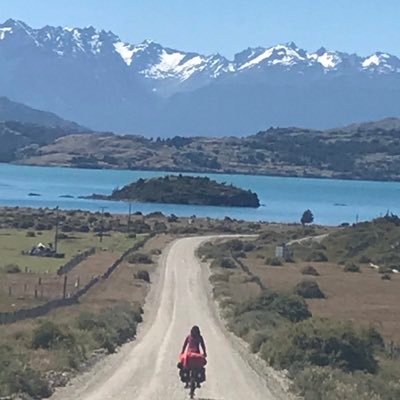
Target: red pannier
column 191, row 360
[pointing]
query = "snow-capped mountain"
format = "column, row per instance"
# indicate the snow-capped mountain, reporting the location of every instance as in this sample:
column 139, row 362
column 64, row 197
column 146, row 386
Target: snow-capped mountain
column 96, row 78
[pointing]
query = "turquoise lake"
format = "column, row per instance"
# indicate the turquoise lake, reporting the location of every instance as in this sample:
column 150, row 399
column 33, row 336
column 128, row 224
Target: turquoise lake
column 282, row 199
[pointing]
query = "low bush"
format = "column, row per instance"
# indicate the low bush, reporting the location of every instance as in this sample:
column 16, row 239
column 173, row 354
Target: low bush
column 364, row 259
column 224, row 262
column 139, row 258
column 321, row 342
column 12, row 269
column 16, row 376
column 317, row 256
column 140, row 227
column 290, row 307
column 30, row 234
column 386, row 277
column 385, row 270
column 310, row 270
column 248, row 246
column 325, row 383
column 160, row 227
column 223, row 277
column 274, row 261
column 48, row 335
column 351, row 267
column 235, row 245
column 111, row 328
column 309, row 289
column 143, row 276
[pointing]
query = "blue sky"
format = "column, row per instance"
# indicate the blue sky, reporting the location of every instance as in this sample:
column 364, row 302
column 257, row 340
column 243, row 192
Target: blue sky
column 227, row 26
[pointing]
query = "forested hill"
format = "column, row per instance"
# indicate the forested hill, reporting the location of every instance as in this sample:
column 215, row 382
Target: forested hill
column 184, row 190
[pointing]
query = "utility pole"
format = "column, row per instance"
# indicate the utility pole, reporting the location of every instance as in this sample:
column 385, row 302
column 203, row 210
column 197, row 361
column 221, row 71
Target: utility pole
column 102, row 223
column 129, row 218
column 56, row 234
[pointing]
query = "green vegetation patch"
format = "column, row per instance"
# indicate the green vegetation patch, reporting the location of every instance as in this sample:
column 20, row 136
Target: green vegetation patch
column 321, row 342
column 185, row 190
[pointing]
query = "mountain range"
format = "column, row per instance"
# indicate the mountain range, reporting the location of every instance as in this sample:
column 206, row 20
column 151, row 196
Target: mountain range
column 95, row 78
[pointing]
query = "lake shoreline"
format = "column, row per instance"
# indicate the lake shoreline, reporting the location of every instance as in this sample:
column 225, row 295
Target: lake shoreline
column 282, row 199
column 205, row 172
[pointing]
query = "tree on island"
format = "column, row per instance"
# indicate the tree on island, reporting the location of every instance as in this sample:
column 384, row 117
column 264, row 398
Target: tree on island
column 307, row 217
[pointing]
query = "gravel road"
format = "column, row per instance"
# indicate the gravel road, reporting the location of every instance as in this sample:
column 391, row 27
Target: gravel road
column 145, row 369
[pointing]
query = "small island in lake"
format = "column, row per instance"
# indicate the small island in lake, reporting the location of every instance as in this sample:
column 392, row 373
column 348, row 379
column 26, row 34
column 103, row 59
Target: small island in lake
column 183, row 190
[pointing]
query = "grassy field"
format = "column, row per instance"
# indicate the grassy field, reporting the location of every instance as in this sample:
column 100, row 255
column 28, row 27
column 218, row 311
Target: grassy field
column 14, row 241
column 105, row 317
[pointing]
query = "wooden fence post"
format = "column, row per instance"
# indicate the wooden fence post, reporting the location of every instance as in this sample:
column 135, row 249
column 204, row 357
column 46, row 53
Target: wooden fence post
column 65, row 286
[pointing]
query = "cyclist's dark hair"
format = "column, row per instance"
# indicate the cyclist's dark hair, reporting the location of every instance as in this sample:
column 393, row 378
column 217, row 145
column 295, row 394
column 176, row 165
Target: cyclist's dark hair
column 195, row 331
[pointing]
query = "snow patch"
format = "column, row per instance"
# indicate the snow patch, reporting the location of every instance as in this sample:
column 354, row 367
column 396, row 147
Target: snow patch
column 4, row 31
column 328, row 60
column 125, row 51
column 373, row 60
column 278, row 55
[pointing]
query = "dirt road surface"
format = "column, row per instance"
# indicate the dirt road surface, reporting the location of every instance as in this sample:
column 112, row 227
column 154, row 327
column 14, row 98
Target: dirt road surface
column 146, row 368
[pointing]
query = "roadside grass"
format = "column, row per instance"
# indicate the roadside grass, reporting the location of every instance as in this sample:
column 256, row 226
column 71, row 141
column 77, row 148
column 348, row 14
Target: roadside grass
column 326, row 359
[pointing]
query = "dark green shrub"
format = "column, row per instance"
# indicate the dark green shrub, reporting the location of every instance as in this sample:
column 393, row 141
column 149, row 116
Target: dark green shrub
column 40, row 226
column 320, row 342
column 132, row 236
column 143, row 275
column 139, row 258
column 160, row 227
column 140, row 227
column 290, row 307
column 364, row 259
column 351, row 267
column 227, row 263
column 248, row 246
column 385, row 270
column 12, row 269
column 26, row 224
column 30, row 234
column 47, row 335
column 317, row 256
column 83, row 228
column 310, row 270
column 274, row 261
column 172, row 218
column 17, row 377
column 67, row 228
column 309, row 289
column 111, row 328
column 235, row 245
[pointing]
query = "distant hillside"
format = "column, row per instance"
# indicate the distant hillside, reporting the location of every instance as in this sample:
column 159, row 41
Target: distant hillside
column 387, row 124
column 370, row 151
column 13, row 111
column 17, row 137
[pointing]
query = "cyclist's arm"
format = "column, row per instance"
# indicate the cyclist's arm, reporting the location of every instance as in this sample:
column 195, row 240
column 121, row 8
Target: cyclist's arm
column 203, row 346
column 184, row 345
